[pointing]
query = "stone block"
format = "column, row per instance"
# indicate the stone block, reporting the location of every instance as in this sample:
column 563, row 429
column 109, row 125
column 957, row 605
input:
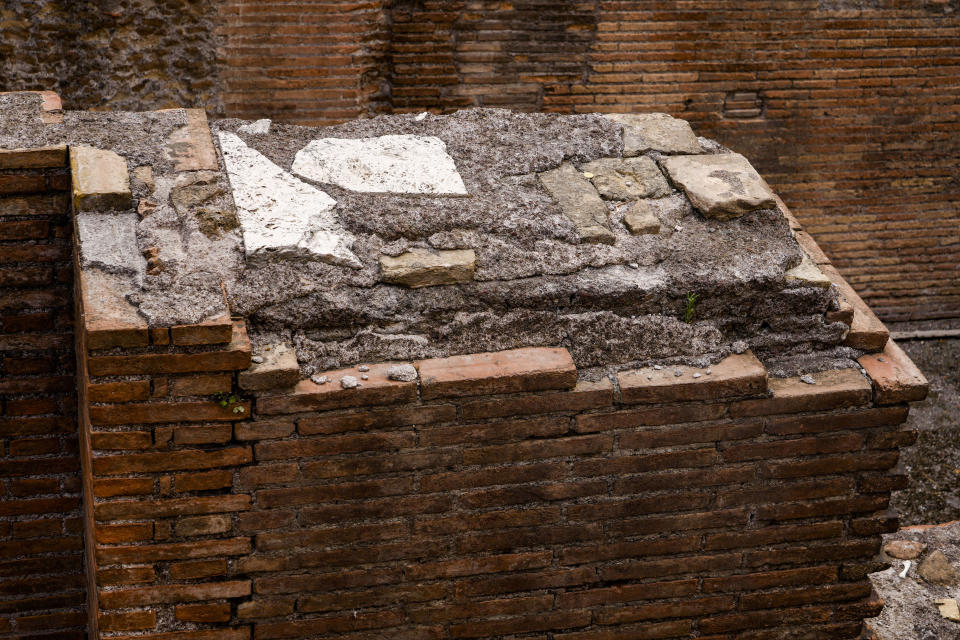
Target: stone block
column 385, row 164
column 278, row 369
column 100, row 180
column 108, row 241
column 807, row 274
column 627, row 179
column 720, row 186
column 425, row 268
column 661, row 132
column 640, row 219
column 580, row 202
column 190, row 147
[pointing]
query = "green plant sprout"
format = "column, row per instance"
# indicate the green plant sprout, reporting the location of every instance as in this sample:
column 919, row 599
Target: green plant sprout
column 690, row 311
column 225, row 400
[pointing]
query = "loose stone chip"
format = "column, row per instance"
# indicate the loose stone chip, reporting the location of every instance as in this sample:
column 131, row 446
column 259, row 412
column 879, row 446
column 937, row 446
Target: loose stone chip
column 402, row 373
column 423, row 268
column 349, row 382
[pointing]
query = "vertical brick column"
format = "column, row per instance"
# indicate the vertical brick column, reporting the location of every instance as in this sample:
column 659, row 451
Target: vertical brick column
column 41, row 559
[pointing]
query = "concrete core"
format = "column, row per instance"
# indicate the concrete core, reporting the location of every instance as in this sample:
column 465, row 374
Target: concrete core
column 299, row 249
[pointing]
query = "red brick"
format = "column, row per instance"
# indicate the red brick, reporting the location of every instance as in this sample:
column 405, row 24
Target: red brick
column 309, row 396
column 833, row 390
column 895, row 378
column 171, row 461
column 119, row 391
column 517, row 370
column 735, row 375
column 671, row 415
column 173, row 551
column 198, row 569
column 772, row 535
column 376, row 419
column 214, row 331
column 217, row 612
column 202, row 385
column 129, row 510
column 771, row 579
column 127, row 621
column 165, row 594
column 158, row 412
column 586, row 395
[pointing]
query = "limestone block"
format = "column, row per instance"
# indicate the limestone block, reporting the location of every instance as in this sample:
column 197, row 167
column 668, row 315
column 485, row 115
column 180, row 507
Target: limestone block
column 580, row 202
column 278, row 369
column 282, row 218
column 109, row 241
column 628, row 178
column 424, row 268
column 190, row 147
column 386, row 164
column 100, row 180
column 808, row 274
column 720, row 186
column 640, row 219
column 661, row 132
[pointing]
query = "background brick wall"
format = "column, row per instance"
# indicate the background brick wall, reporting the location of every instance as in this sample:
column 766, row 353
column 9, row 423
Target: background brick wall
column 41, row 534
column 849, row 108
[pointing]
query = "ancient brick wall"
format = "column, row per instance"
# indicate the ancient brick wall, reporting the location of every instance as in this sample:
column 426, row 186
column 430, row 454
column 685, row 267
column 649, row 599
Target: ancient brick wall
column 41, row 541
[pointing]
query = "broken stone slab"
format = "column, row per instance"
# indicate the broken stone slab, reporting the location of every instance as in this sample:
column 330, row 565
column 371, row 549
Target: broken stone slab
column 948, row 609
column 661, row 132
column 580, row 202
column 257, row 127
column 628, row 178
column 640, row 219
column 424, row 268
column 281, row 217
column 108, row 241
column 386, row 164
column 904, row 549
column 100, row 180
column 936, row 569
column 808, row 274
column 278, row 368
column 722, row 186
column 190, row 147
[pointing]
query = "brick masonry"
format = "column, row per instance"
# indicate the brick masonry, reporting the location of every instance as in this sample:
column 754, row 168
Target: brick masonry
column 41, row 533
column 862, row 93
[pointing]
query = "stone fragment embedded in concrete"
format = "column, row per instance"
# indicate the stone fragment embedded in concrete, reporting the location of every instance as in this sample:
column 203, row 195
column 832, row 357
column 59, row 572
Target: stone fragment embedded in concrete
column 720, row 186
column 424, row 268
column 109, row 241
column 644, row 132
column 100, row 180
column 640, row 219
column 282, row 217
column 808, row 274
column 278, row 368
column 627, row 179
column 579, row 201
column 386, row 164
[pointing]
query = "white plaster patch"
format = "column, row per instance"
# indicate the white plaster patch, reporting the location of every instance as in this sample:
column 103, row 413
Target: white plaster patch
column 281, row 216
column 258, row 127
column 387, row 164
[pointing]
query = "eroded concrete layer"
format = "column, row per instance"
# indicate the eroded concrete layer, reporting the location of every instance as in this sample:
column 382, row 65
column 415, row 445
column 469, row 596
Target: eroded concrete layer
column 536, row 281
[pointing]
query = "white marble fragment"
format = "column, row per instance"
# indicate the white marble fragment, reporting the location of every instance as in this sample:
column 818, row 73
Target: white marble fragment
column 282, row 218
column 109, row 241
column 258, row 127
column 387, row 164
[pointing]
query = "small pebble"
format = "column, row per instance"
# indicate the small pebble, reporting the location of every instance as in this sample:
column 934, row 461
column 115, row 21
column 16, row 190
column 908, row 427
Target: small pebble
column 709, row 371
column 880, row 359
column 677, row 228
column 421, row 116
column 628, row 183
column 587, row 175
column 349, row 382
column 364, row 377
column 402, row 372
column 696, row 375
column 634, row 265
column 649, row 377
column 257, row 359
column 363, row 368
column 318, row 379
column 657, row 367
column 677, row 372
column 808, row 379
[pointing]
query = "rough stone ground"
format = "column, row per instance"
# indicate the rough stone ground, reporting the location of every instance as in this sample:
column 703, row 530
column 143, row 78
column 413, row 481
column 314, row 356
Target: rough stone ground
column 909, row 611
column 933, row 463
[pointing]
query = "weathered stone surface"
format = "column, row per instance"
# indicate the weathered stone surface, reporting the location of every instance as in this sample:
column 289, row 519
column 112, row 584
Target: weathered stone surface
column 258, row 127
column 109, row 241
column 100, row 180
column 278, row 369
column 190, row 147
column 386, row 164
column 937, row 569
column 661, row 132
column 281, row 216
column 580, row 202
column 627, row 179
column 424, row 268
column 808, row 274
column 640, row 218
column 904, row 549
column 720, row 186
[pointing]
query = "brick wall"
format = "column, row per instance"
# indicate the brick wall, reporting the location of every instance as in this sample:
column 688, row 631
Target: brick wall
column 848, row 108
column 503, row 498
column 41, row 544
